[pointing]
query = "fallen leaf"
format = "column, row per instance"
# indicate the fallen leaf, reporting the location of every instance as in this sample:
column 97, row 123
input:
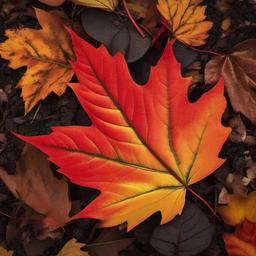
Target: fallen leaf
column 188, row 234
column 243, row 241
column 107, row 5
column 147, row 143
column 35, row 185
column 238, row 70
column 251, row 167
column 13, row 9
column 239, row 209
column 46, row 53
column 240, row 212
column 186, row 20
column 239, row 131
column 72, row 248
column 4, row 252
column 110, row 242
column 147, row 11
column 118, row 35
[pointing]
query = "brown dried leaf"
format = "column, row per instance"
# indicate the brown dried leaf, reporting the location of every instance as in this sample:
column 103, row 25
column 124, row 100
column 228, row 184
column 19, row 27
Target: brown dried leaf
column 238, row 69
column 36, row 186
column 236, row 184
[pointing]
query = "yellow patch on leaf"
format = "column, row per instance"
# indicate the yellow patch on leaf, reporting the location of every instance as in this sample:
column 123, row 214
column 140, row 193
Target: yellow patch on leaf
column 186, row 20
column 46, row 53
column 239, row 209
column 108, row 5
column 72, row 248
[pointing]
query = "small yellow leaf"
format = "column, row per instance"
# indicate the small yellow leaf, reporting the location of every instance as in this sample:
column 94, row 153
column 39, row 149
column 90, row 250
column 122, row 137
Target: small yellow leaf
column 46, row 53
column 108, row 5
column 239, row 209
column 72, row 248
column 186, row 19
column 4, row 252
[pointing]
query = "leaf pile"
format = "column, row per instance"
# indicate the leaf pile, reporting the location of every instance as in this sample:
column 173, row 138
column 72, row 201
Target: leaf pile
column 147, row 132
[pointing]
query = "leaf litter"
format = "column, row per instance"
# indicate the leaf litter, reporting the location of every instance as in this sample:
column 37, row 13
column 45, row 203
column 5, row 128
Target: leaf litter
column 37, row 204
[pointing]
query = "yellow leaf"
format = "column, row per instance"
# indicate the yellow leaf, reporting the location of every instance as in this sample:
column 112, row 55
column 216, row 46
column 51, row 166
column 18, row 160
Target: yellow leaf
column 4, row 252
column 108, row 5
column 186, row 19
column 239, row 209
column 72, row 248
column 46, row 53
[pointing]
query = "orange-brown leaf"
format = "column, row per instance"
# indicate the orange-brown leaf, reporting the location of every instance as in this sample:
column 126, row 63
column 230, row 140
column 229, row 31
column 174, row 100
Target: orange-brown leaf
column 146, row 144
column 46, row 53
column 35, row 185
column 239, row 209
column 243, row 241
column 4, row 252
column 186, row 19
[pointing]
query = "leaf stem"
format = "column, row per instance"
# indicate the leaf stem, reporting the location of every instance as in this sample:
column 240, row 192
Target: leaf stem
column 201, row 199
column 132, row 20
column 204, row 51
column 5, row 214
column 159, row 33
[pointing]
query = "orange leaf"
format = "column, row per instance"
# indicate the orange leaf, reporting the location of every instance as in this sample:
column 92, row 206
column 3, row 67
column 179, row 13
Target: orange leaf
column 146, row 144
column 243, row 241
column 46, row 53
column 186, row 20
column 35, row 185
column 4, row 252
column 239, row 209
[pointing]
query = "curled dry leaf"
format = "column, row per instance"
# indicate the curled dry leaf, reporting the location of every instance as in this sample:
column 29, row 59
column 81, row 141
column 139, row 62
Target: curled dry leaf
column 238, row 69
column 46, row 53
column 36, row 186
column 108, row 5
column 72, row 248
column 239, row 209
column 235, row 185
column 186, row 20
column 147, row 143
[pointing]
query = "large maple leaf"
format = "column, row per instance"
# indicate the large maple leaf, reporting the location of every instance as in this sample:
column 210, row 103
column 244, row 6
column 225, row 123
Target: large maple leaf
column 147, row 143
